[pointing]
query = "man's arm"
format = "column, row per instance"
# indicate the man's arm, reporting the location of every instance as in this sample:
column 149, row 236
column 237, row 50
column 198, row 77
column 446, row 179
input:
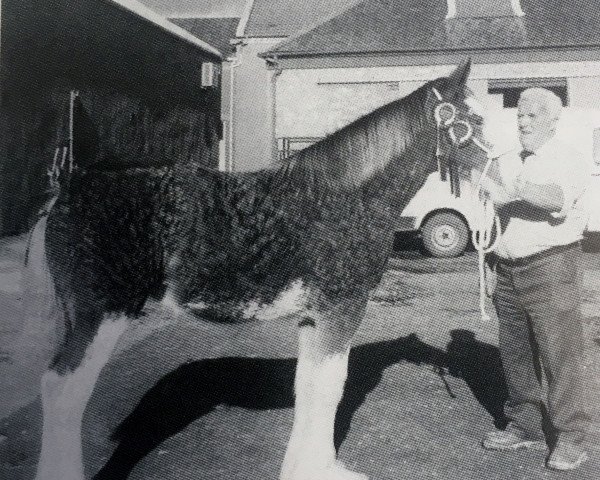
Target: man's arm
column 566, row 184
column 548, row 197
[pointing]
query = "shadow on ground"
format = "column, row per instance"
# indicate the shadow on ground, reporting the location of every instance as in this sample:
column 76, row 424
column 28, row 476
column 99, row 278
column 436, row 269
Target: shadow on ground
column 479, row 365
column 196, row 388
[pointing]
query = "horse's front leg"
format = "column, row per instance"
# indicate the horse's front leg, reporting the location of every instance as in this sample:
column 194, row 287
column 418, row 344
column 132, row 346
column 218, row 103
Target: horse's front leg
column 323, row 347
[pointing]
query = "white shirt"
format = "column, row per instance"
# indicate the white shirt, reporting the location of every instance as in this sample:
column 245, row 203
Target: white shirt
column 528, row 229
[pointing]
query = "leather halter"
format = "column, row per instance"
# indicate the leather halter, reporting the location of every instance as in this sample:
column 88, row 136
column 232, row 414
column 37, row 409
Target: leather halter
column 445, row 115
column 486, row 229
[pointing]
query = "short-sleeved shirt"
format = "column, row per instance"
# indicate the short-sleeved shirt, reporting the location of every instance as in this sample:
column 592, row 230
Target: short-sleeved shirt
column 528, row 229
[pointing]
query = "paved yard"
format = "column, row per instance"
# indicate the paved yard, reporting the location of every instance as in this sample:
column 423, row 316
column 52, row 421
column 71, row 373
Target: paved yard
column 215, row 401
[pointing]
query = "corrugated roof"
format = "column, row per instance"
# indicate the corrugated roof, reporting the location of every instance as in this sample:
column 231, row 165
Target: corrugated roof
column 216, row 31
column 419, row 25
column 281, row 18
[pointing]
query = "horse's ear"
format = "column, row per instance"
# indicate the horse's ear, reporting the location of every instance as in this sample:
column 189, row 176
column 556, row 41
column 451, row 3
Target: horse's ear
column 458, row 79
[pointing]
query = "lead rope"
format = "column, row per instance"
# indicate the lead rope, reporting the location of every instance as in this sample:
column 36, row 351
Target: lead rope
column 486, row 219
column 482, row 236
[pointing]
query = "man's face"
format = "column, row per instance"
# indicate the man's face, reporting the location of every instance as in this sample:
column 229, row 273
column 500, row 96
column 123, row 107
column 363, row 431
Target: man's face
column 536, row 124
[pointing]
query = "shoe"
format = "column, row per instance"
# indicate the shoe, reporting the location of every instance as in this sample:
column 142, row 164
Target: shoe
column 566, row 456
column 513, row 438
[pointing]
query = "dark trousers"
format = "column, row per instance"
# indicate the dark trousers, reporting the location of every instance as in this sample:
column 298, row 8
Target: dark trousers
column 540, row 326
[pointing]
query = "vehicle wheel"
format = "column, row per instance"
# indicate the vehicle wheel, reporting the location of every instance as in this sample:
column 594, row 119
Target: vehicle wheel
column 445, row 235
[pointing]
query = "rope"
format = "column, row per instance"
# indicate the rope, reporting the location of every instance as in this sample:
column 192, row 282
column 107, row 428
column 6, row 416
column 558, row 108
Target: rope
column 482, row 236
column 486, row 221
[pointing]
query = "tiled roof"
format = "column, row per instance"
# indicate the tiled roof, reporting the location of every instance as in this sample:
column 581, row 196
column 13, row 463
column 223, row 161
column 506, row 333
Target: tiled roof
column 419, row 26
column 215, row 31
column 281, row 18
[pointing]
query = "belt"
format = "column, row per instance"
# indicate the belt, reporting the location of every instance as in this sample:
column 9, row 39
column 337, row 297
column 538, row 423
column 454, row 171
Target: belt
column 522, row 261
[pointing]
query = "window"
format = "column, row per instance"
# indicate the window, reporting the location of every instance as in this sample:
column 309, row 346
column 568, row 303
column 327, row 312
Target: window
column 510, row 89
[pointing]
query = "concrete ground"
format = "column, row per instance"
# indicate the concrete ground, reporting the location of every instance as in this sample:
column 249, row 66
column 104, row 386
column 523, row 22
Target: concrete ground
column 201, row 400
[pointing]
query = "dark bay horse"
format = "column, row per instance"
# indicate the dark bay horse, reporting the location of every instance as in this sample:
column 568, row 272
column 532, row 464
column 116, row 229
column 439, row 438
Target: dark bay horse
column 309, row 237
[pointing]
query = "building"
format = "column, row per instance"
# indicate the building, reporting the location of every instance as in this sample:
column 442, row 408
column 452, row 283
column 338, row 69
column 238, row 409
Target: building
column 379, row 50
column 296, row 71
column 247, row 82
column 127, row 62
column 218, row 31
column 263, row 25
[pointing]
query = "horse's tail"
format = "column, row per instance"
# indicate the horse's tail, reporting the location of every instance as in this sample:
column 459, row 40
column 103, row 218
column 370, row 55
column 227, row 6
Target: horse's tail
column 43, row 319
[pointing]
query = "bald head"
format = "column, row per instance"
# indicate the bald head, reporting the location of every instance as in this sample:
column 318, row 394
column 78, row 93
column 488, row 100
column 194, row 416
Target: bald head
column 538, row 113
column 548, row 100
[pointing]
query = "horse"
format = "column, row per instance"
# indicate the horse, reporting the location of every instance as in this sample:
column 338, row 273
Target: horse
column 307, row 238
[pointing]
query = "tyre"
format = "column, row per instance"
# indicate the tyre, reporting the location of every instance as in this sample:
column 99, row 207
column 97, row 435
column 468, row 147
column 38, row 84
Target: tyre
column 445, row 235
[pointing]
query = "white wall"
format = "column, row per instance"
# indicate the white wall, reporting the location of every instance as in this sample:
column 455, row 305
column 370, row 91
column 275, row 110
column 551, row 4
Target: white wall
column 584, row 92
column 316, row 102
column 252, row 108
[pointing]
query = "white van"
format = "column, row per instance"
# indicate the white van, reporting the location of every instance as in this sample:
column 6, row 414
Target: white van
column 445, row 221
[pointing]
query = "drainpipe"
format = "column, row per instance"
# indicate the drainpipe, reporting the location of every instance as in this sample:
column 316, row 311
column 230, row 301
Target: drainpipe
column 275, row 72
column 235, row 62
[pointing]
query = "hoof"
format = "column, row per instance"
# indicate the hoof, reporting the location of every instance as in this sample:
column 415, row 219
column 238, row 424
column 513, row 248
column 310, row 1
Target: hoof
column 340, row 472
column 337, row 471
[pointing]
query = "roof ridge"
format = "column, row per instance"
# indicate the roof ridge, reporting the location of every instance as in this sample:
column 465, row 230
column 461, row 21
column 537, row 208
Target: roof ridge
column 383, row 26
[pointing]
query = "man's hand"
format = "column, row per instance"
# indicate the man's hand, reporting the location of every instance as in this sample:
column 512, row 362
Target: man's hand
column 493, row 188
column 497, row 193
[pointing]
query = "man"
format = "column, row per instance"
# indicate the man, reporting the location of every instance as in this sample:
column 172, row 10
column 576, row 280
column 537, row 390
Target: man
column 538, row 289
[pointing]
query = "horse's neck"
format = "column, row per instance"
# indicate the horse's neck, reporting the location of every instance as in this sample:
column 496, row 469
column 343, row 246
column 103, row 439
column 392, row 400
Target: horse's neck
column 404, row 175
column 365, row 148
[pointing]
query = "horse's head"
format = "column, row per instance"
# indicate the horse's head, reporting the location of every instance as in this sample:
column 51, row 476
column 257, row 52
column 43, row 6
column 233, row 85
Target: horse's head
column 458, row 119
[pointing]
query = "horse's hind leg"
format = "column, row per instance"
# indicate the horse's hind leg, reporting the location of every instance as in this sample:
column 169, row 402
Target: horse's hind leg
column 66, row 388
column 324, row 344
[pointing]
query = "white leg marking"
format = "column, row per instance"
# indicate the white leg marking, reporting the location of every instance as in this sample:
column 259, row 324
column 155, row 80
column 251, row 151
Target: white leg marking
column 43, row 320
column 289, row 302
column 64, row 398
column 319, row 387
column 171, row 303
column 303, row 390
